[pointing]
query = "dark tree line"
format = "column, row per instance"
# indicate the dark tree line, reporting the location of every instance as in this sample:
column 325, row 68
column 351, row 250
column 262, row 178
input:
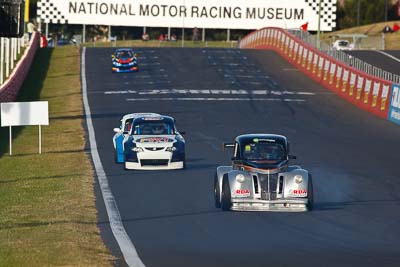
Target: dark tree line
column 362, row 12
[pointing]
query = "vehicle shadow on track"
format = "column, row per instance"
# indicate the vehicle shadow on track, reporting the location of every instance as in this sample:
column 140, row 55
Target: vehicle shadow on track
column 342, row 205
column 168, row 216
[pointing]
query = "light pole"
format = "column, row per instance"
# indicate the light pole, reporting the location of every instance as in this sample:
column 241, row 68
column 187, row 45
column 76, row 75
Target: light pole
column 358, row 12
column 319, row 24
column 183, row 24
column 386, row 10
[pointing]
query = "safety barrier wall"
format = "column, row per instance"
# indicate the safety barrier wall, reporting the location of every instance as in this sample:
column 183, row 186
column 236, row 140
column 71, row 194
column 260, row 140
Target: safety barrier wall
column 394, row 108
column 363, row 90
column 10, row 88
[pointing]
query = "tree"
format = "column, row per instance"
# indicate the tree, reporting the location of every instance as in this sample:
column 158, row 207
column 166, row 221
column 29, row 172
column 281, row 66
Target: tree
column 370, row 12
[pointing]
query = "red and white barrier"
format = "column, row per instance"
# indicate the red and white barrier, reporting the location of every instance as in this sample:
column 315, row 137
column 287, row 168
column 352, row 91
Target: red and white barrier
column 363, row 90
column 10, row 89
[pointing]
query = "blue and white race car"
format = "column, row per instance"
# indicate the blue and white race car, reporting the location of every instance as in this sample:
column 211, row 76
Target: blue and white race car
column 124, row 60
column 122, row 133
column 152, row 143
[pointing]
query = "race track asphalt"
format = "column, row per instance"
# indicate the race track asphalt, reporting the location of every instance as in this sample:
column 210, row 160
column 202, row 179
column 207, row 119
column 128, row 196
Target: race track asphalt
column 170, row 215
column 389, row 60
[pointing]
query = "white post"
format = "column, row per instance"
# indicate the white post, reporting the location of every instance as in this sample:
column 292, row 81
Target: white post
column 7, row 53
column 12, row 54
column 15, row 48
column 84, row 34
column 169, row 33
column 109, row 33
column 19, row 45
column 40, row 139
column 1, row 60
column 228, row 35
column 144, row 30
column 203, row 35
column 10, row 141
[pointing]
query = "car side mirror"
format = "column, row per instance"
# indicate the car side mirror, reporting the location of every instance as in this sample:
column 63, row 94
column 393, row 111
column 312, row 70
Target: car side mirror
column 292, row 157
column 112, row 56
column 227, row 145
column 117, row 130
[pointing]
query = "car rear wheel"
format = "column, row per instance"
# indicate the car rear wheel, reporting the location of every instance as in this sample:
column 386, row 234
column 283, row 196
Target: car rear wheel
column 217, row 194
column 310, row 205
column 226, row 202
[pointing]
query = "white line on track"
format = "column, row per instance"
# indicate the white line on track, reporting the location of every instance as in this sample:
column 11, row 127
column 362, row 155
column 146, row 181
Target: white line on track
column 214, row 99
column 206, row 92
column 127, row 248
column 388, row 55
column 151, row 76
column 150, row 64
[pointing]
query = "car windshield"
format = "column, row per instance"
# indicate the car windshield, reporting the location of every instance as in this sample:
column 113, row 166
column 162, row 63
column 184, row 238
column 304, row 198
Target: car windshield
column 270, row 151
column 343, row 43
column 153, row 128
column 124, row 54
column 128, row 125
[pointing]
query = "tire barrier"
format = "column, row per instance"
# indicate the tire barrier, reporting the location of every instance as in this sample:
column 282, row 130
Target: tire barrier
column 375, row 95
column 10, row 88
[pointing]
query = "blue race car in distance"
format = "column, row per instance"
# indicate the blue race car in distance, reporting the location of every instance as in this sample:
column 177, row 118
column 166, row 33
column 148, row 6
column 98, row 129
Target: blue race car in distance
column 124, row 60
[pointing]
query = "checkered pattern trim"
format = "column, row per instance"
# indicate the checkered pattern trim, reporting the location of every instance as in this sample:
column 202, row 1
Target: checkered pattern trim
column 328, row 10
column 49, row 13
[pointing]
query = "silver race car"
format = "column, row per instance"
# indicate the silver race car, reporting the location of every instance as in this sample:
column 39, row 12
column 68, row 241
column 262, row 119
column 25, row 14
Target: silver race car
column 261, row 179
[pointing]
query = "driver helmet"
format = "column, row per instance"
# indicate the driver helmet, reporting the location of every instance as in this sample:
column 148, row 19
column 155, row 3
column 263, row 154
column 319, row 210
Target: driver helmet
column 158, row 129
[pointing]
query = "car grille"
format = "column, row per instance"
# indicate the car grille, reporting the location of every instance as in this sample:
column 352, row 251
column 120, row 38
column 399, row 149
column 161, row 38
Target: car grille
column 268, row 191
column 154, row 148
column 154, row 162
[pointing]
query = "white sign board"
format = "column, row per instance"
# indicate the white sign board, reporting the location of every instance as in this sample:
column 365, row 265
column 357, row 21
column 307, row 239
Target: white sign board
column 222, row 14
column 24, row 113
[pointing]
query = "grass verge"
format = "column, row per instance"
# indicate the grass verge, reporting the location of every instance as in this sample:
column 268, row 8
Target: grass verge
column 47, row 203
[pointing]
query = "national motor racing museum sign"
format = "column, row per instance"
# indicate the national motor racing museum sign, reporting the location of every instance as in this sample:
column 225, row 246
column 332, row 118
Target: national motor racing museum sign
column 223, row 14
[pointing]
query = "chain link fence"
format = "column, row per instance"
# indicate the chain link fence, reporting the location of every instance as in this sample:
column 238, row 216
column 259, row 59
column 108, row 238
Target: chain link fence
column 349, row 59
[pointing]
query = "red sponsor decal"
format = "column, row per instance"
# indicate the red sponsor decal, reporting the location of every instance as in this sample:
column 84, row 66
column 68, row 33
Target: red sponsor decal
column 299, row 191
column 154, row 140
column 242, row 191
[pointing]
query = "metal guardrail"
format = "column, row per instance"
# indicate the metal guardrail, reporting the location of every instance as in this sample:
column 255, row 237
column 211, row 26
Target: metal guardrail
column 346, row 58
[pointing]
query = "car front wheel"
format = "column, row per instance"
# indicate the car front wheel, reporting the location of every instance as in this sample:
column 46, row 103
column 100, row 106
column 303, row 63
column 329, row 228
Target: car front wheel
column 226, row 202
column 217, row 195
column 310, row 205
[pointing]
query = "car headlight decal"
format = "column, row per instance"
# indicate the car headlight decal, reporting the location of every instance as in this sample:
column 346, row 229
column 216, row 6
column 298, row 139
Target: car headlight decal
column 137, row 149
column 240, row 178
column 171, row 149
column 298, row 179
